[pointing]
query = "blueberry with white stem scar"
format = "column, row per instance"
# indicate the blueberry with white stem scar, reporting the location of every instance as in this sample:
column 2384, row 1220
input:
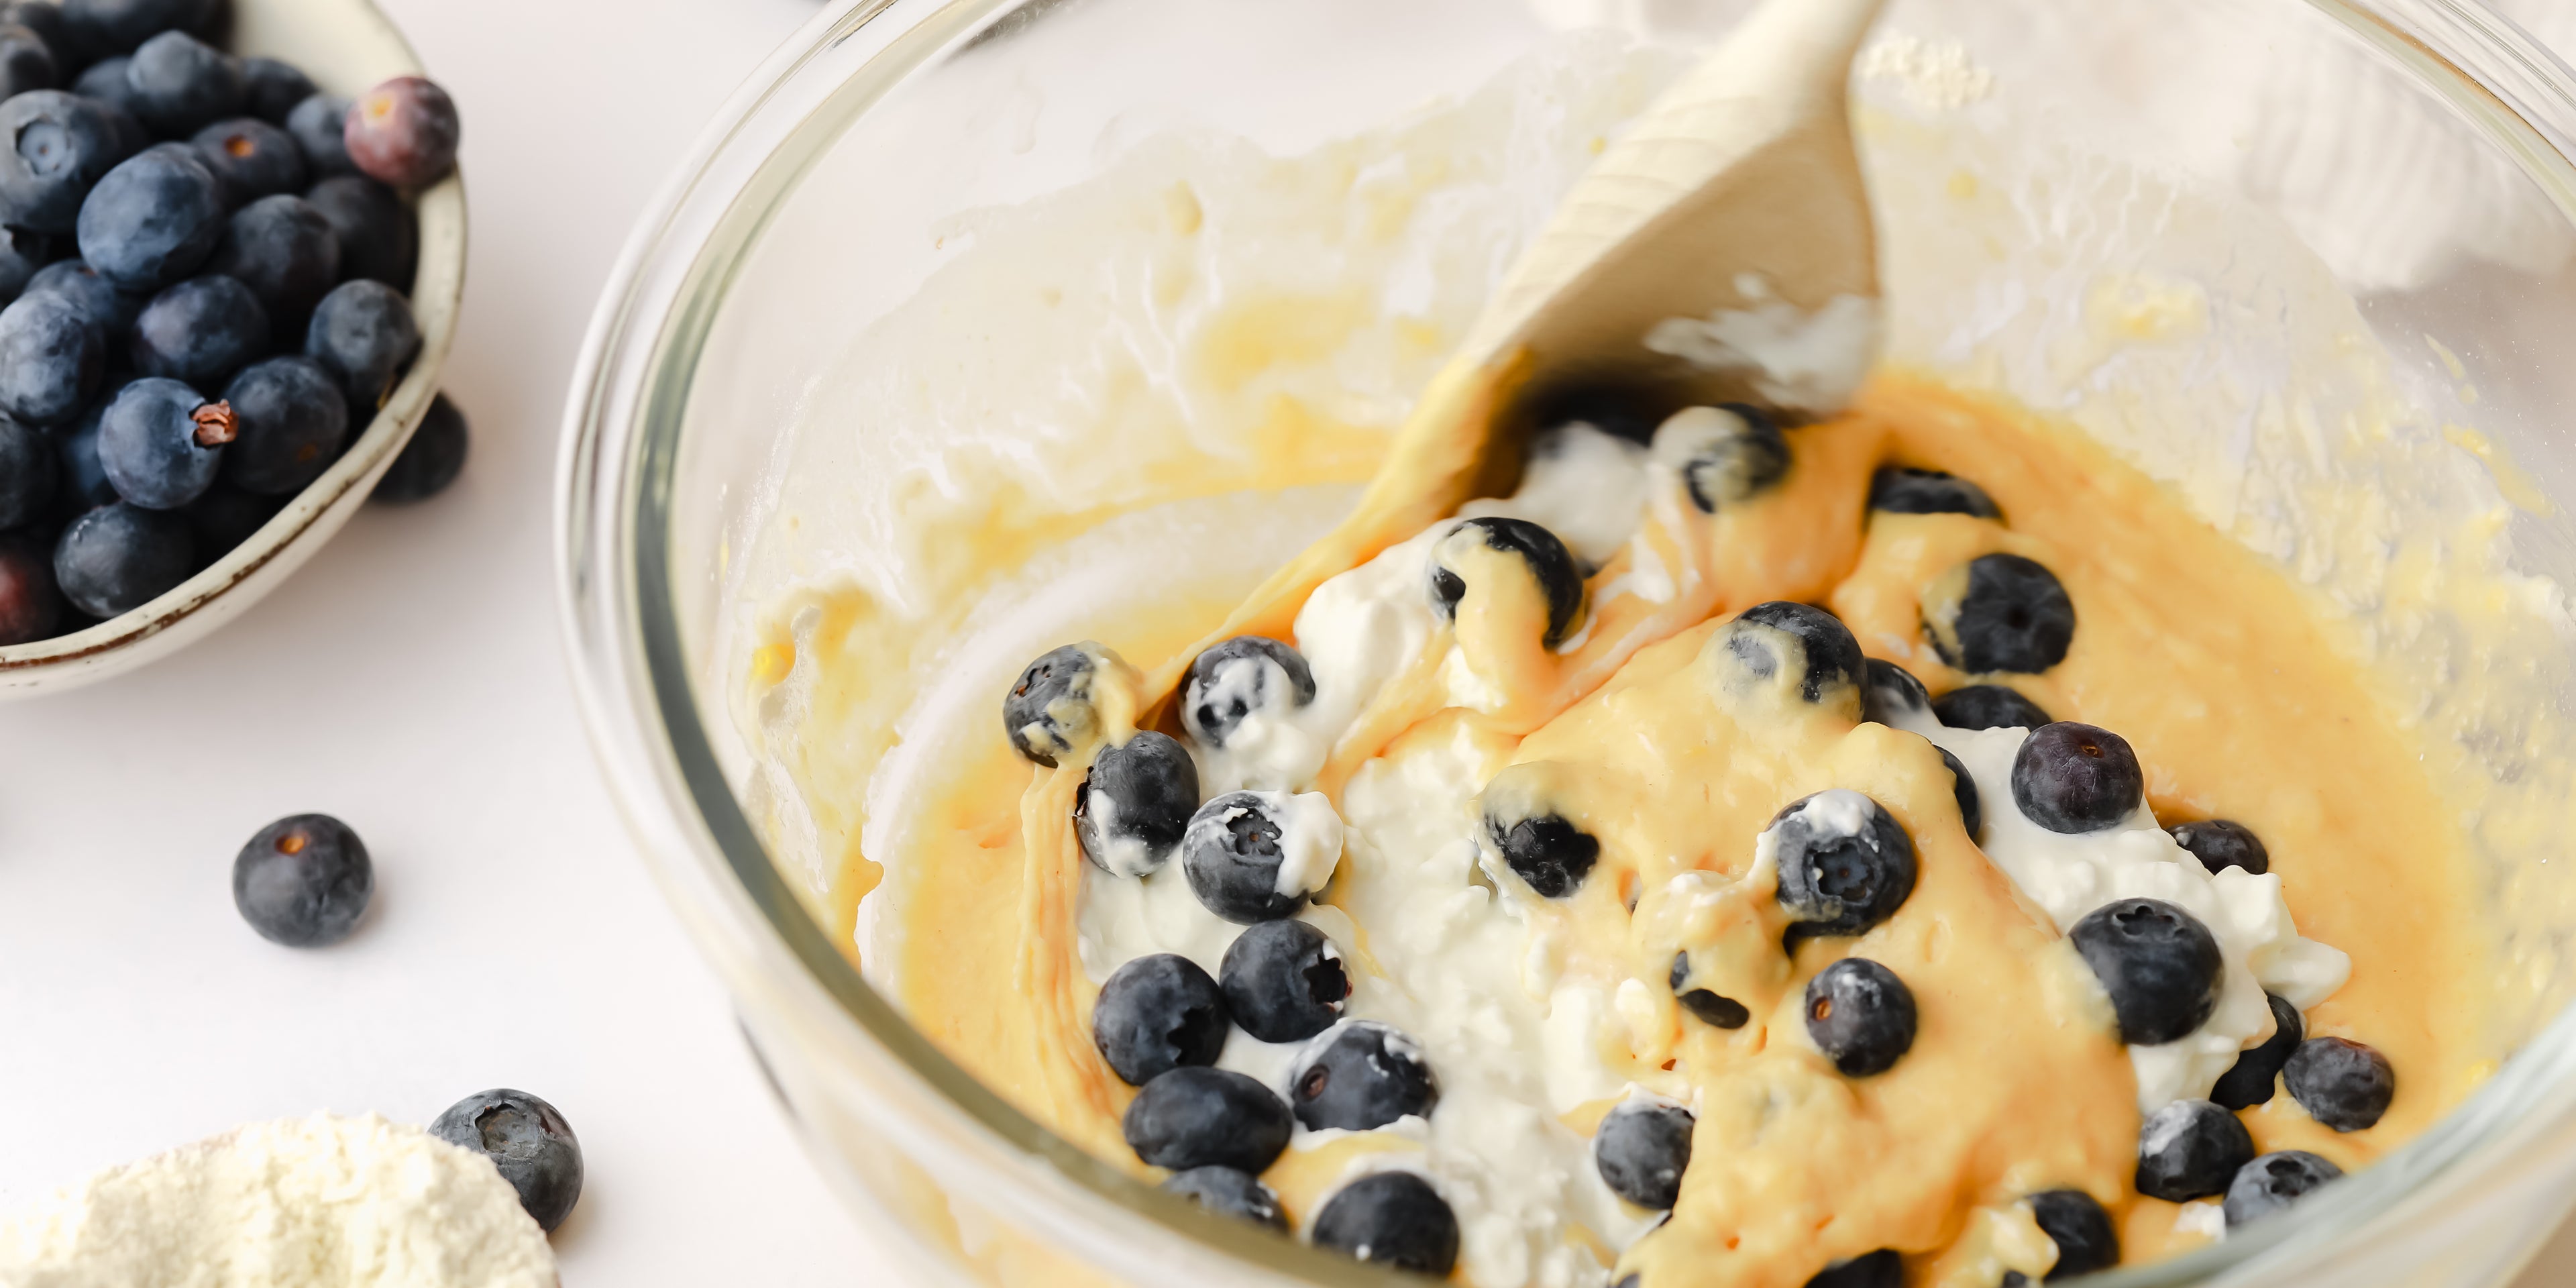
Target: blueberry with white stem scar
column 1881, row 1269
column 1256, row 856
column 1230, row 681
column 1999, row 613
column 2223, row 843
column 2075, row 778
column 1712, row 1008
column 2076, row 1223
column 1361, row 1075
column 1048, row 712
column 1641, row 1150
column 1844, row 864
column 2160, row 966
column 1134, row 805
column 2191, row 1149
column 1228, row 1192
column 1987, row 706
column 1392, row 1219
column 1726, row 455
column 1199, row 1117
column 1861, row 1016
column 2273, row 1182
column 2341, row 1083
column 1549, row 563
column 1156, row 1014
column 1284, row 981
column 2250, row 1081
column 1897, row 490
column 1782, row 642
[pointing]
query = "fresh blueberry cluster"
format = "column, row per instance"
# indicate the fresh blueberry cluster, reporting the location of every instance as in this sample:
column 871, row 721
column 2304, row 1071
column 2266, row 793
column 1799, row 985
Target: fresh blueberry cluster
column 204, row 261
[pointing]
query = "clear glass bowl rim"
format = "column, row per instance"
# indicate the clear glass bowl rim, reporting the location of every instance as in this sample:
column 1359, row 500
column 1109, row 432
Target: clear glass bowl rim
column 623, row 422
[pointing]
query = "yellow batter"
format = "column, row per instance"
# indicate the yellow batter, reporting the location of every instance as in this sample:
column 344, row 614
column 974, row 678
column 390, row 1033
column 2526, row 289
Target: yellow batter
column 2241, row 699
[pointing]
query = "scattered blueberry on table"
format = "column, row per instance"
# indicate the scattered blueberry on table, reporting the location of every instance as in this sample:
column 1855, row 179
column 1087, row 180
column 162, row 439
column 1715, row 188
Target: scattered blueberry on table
column 303, row 881
column 193, row 225
column 529, row 1142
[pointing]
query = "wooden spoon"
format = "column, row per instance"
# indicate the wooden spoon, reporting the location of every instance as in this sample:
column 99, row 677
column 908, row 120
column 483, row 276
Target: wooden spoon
column 1721, row 247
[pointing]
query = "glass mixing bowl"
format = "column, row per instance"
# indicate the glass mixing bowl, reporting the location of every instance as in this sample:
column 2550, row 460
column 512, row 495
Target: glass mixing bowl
column 2411, row 155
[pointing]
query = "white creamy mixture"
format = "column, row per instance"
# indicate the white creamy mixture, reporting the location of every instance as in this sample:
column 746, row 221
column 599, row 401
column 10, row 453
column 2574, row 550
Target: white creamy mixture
column 319, row 1202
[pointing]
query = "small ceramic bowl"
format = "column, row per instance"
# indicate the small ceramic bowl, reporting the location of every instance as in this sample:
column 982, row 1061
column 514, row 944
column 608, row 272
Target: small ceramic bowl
column 347, row 47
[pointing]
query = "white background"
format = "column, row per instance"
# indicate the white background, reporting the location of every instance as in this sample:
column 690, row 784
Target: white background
column 410, row 680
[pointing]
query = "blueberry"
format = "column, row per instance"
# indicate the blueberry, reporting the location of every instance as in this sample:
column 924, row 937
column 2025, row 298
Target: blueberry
column 1543, row 849
column 1890, row 692
column 109, row 311
column 1963, row 789
column 2273, row 1182
column 1228, row 1192
column 2000, row 613
column 1641, row 1150
column 1623, row 411
column 2073, row 778
column 1725, row 455
column 363, row 333
column 2251, row 1080
column 285, row 252
column 529, row 1142
column 319, row 126
column 379, row 236
column 271, row 89
column 99, row 28
column 2341, row 1083
column 1199, row 1117
column 119, row 557
column 2221, row 843
column 1135, row 803
column 293, row 422
column 224, row 518
column 161, row 444
column 403, row 132
column 182, row 84
column 303, row 881
column 200, row 331
column 1284, row 981
column 1845, row 864
column 50, row 359
column 31, row 605
column 2158, row 963
column 1987, row 706
column 1710, row 1007
column 429, row 462
column 28, row 470
column 251, row 159
column 1048, row 711
column 1881, row 1269
column 2191, row 1149
column 1362, row 1075
column 1560, row 581
column 153, row 220
column 1156, row 1014
column 1904, row 491
column 1242, row 848
column 22, row 255
column 1230, row 681
column 1782, row 638
column 82, row 482
column 2076, row 1223
column 1861, row 1016
column 25, row 61
column 105, row 82
column 1391, row 1219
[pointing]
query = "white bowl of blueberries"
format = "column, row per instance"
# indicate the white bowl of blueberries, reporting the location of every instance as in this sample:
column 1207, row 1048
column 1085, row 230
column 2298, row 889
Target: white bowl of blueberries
column 232, row 242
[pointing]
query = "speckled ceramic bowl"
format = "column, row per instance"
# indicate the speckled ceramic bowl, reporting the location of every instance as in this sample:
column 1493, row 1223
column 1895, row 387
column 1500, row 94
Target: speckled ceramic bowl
column 346, row 46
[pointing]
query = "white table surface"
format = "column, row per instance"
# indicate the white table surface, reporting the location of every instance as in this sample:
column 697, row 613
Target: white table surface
column 410, row 680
